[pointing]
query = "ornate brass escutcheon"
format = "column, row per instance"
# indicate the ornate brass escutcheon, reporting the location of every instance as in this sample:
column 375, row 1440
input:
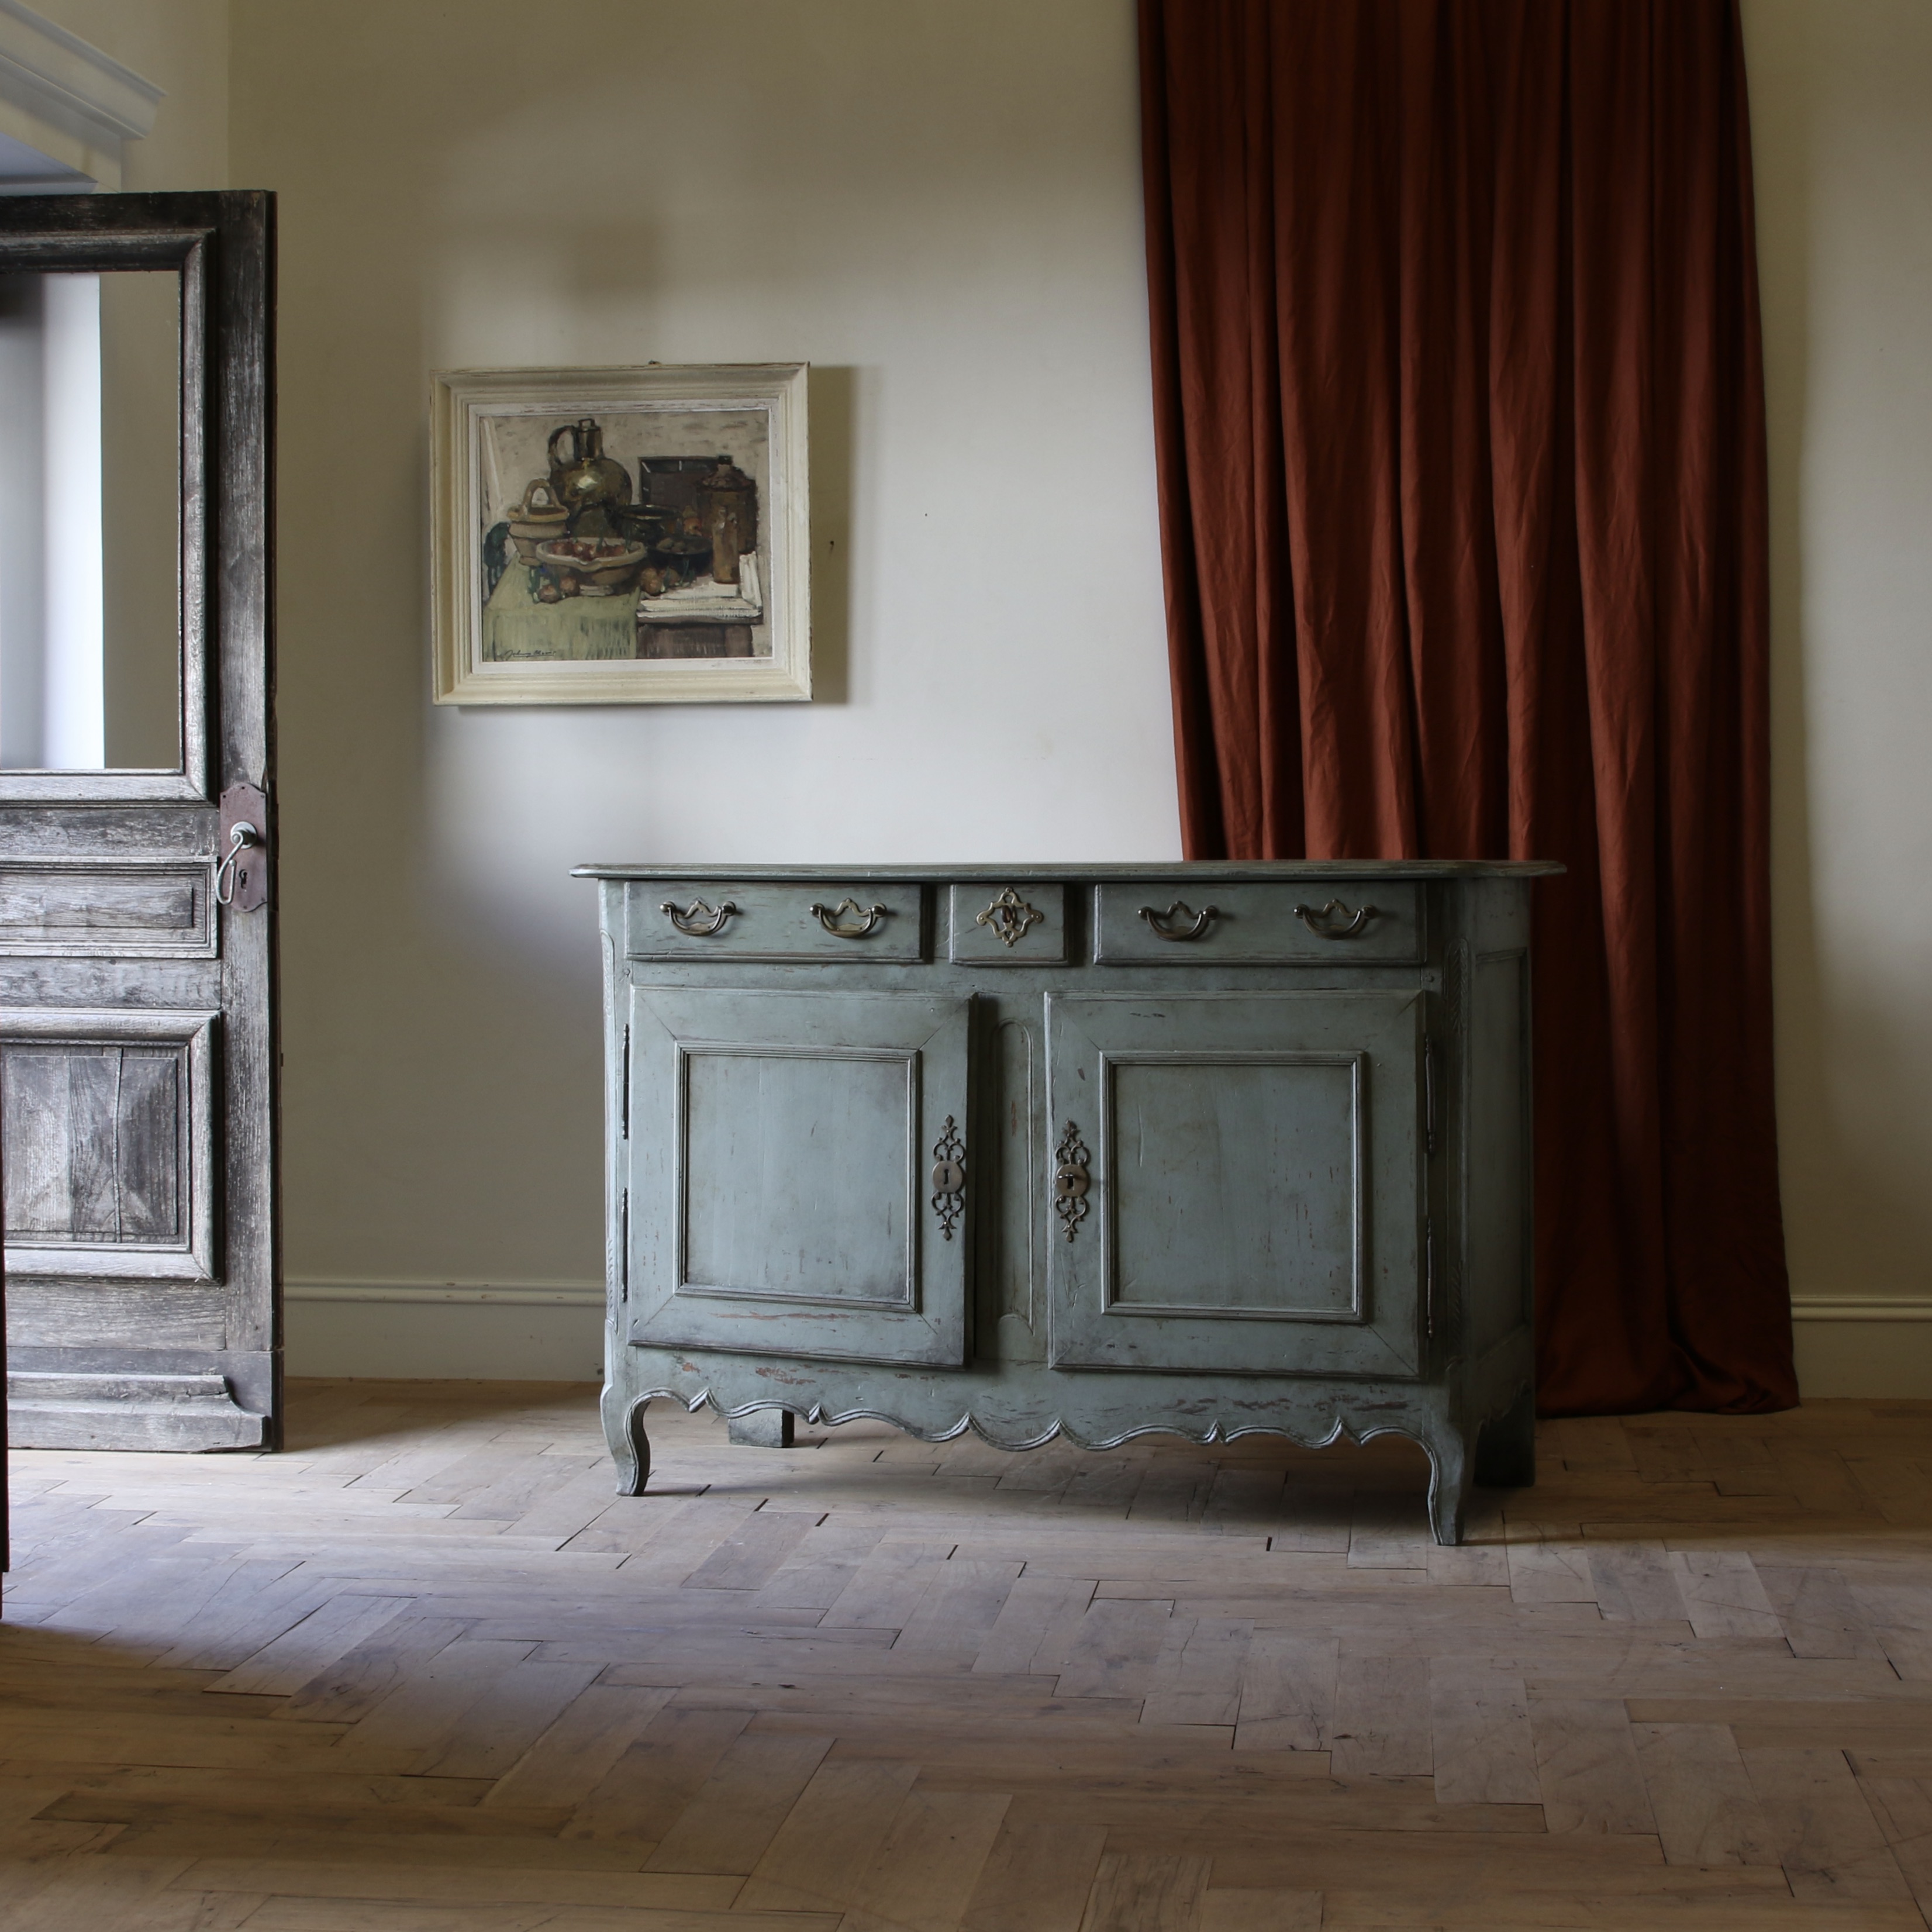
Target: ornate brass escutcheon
column 867, row 917
column 1322, row 923
column 1010, row 917
column 1163, row 926
column 697, row 920
column 1071, row 1179
column 949, row 1177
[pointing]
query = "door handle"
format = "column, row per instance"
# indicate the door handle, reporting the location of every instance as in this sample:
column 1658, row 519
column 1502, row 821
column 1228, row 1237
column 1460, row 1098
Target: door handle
column 241, row 835
column 241, row 878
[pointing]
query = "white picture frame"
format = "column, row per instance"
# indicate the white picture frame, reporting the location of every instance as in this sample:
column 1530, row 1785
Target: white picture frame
column 579, row 514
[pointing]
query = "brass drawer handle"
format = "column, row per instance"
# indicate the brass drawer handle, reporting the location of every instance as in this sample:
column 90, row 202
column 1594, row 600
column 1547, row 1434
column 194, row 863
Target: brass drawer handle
column 1317, row 923
column 867, row 916
column 1161, row 925
column 698, row 921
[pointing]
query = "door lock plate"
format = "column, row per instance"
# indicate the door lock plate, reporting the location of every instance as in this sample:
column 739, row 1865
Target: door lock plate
column 245, row 805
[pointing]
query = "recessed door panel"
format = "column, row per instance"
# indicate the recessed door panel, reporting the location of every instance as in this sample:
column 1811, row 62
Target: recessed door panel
column 1240, row 1182
column 794, row 1180
column 106, row 911
column 105, row 1123
column 110, row 1144
column 793, row 1168
column 1239, row 1187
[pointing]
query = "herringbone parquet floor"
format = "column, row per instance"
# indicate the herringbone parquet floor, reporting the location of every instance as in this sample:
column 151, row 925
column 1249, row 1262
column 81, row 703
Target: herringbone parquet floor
column 424, row 1673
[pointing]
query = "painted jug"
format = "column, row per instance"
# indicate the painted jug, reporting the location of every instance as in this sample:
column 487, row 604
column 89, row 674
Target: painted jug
column 587, row 483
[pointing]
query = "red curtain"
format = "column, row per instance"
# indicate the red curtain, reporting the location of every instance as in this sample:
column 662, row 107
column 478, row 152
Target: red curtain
column 1459, row 415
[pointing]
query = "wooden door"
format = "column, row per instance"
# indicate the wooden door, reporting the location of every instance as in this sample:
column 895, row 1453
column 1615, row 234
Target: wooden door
column 1242, row 1186
column 137, row 999
column 783, row 1182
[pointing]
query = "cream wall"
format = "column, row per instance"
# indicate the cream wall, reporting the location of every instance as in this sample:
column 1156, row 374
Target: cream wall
column 1841, row 102
column 953, row 233
column 936, row 203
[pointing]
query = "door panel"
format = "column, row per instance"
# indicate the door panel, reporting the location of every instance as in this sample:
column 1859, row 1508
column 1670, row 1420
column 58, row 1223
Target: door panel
column 794, row 1173
column 777, row 1161
column 109, row 1124
column 1254, row 1182
column 1271, row 1224
column 124, row 910
column 138, row 1063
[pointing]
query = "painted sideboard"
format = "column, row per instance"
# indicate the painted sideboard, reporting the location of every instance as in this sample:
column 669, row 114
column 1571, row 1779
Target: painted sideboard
column 1088, row 1151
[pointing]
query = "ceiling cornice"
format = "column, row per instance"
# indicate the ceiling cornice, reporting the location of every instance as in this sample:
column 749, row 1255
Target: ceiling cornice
column 53, row 73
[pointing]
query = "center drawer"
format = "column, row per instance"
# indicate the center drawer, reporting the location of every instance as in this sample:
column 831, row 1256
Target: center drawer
column 1190, row 922
column 727, row 919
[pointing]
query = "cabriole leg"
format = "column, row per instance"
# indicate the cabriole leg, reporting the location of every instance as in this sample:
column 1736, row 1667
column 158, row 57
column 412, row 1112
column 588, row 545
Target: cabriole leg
column 630, row 1447
column 1450, row 1472
column 761, row 1429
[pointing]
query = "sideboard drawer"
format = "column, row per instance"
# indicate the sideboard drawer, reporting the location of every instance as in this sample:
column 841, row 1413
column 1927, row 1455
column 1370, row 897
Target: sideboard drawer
column 1007, row 927
column 1192, row 922
column 736, row 920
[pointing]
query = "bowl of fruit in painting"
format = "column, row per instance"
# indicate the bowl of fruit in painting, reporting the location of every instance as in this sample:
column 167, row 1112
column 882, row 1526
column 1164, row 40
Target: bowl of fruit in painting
column 591, row 566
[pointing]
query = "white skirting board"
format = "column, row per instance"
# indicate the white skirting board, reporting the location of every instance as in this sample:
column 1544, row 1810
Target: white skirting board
column 552, row 1331
column 527, row 1331
column 1880, row 1350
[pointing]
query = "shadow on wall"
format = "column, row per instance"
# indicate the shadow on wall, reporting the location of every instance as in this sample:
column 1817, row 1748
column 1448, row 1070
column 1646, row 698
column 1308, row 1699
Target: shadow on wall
column 1781, row 167
column 1854, row 1043
column 1859, row 1214
column 832, row 401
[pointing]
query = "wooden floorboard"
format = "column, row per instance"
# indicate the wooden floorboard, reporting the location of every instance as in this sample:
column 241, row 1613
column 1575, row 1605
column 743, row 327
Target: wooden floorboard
column 424, row 1672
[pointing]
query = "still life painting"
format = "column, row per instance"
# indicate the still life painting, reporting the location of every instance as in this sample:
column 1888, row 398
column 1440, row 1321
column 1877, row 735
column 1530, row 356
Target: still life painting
column 620, row 535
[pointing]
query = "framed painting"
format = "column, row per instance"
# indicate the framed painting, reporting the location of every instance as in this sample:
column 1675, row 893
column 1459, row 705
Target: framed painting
column 620, row 536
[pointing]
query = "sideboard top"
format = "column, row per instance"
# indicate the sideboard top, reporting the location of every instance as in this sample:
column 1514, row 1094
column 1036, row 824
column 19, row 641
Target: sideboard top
column 1232, row 870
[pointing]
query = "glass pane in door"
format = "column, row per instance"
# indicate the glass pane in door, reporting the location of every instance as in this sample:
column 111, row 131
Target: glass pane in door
column 90, row 521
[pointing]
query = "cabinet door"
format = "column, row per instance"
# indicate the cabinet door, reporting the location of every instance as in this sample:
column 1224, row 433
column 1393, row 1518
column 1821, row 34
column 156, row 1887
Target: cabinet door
column 778, row 1178
column 1254, row 1183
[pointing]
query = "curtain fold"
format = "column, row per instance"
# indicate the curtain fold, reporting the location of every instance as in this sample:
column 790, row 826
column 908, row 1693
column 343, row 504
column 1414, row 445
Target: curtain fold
column 1458, row 409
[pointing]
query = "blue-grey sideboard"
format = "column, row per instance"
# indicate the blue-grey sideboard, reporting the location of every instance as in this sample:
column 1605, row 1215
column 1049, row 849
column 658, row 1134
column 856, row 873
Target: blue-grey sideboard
column 1089, row 1150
